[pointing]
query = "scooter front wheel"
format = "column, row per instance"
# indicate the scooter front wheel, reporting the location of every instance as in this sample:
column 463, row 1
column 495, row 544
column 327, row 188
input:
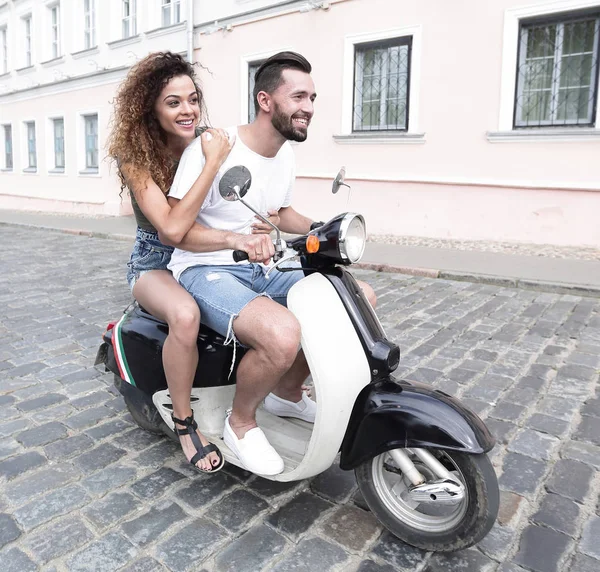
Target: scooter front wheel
column 433, row 522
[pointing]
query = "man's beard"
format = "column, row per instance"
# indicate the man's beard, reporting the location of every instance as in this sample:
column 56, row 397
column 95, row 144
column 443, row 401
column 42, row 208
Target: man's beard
column 284, row 124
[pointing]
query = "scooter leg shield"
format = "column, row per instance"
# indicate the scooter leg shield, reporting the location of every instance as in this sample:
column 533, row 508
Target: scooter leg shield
column 338, row 366
column 394, row 414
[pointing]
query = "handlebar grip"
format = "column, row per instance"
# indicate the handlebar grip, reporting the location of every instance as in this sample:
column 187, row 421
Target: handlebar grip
column 239, row 255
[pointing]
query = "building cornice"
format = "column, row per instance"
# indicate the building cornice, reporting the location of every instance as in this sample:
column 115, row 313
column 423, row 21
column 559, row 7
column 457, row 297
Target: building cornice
column 84, row 81
column 280, row 9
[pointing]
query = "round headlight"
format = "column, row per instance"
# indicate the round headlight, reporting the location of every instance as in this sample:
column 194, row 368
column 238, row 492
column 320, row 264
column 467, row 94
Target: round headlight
column 353, row 237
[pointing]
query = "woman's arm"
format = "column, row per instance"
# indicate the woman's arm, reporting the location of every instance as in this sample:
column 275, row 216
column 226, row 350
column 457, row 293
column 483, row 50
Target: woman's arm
column 203, row 239
column 173, row 222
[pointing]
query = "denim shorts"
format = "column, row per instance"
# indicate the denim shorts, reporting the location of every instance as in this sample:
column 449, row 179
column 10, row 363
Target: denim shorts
column 222, row 292
column 149, row 253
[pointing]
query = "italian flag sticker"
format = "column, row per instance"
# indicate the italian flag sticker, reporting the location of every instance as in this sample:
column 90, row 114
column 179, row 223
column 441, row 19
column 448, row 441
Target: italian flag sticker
column 120, row 352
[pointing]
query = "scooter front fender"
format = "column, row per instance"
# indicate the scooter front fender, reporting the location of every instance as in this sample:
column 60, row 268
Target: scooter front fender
column 394, row 414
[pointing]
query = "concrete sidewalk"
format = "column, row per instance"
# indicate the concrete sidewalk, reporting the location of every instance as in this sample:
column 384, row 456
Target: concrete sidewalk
column 560, row 275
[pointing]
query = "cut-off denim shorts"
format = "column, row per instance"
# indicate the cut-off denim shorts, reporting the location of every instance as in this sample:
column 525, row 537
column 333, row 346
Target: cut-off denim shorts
column 149, row 253
column 222, row 292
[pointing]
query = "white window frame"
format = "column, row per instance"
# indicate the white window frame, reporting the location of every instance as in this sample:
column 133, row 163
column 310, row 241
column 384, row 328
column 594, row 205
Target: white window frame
column 27, row 28
column 510, row 46
column 413, row 134
column 171, row 7
column 3, row 49
column 130, row 20
column 55, row 30
column 82, row 143
column 89, row 24
column 245, row 62
column 5, row 166
column 28, row 168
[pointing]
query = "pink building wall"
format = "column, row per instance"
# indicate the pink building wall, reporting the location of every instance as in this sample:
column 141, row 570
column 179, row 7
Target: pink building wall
column 456, row 183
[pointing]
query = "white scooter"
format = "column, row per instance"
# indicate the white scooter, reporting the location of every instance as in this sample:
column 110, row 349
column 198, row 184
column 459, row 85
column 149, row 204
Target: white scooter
column 419, row 455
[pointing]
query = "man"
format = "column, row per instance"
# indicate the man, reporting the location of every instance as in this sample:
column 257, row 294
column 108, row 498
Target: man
column 235, row 299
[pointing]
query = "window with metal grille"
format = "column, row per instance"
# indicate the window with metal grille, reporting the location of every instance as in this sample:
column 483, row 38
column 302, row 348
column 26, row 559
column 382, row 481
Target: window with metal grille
column 252, row 68
column 31, row 151
column 171, row 12
column 8, row 153
column 557, row 74
column 381, row 85
column 89, row 24
column 59, row 143
column 129, row 23
column 91, row 141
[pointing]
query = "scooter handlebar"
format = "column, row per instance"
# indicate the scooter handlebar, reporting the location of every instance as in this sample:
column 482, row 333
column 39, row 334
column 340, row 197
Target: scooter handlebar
column 239, row 255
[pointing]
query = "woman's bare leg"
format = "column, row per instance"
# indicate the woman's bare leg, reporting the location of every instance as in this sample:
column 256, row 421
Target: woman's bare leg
column 159, row 293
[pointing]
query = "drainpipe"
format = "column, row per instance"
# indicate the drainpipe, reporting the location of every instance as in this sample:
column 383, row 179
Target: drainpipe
column 190, row 30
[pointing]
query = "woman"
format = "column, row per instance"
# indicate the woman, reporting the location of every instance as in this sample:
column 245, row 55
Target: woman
column 157, row 111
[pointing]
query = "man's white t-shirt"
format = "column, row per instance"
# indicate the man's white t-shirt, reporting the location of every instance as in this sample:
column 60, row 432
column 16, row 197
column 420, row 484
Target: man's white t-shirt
column 271, row 189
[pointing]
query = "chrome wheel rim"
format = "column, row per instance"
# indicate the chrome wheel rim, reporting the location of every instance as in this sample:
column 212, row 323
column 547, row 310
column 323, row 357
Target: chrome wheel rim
column 391, row 486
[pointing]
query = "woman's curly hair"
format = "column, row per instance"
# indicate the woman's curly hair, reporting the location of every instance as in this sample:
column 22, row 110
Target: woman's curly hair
column 136, row 138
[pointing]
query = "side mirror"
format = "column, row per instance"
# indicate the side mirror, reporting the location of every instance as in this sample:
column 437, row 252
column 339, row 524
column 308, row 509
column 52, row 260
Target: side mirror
column 339, row 181
column 234, row 183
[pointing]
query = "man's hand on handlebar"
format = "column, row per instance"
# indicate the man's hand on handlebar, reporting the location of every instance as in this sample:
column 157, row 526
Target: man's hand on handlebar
column 258, row 246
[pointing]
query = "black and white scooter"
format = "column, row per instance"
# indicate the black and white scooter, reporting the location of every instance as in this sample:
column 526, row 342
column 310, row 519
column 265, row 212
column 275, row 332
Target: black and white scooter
column 419, row 455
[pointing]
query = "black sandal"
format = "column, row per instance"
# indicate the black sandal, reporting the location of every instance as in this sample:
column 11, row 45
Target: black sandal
column 202, row 450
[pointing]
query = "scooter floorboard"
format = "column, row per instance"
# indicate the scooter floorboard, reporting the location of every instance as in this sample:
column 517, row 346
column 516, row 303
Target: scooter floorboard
column 289, row 437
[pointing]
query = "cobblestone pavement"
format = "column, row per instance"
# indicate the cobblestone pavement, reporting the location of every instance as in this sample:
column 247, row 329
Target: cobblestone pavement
column 83, row 488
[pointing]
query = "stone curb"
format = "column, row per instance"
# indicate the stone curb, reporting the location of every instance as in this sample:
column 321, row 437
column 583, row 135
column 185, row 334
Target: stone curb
column 506, row 282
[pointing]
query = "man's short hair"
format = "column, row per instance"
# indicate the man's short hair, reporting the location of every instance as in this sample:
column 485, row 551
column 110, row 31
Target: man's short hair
column 268, row 76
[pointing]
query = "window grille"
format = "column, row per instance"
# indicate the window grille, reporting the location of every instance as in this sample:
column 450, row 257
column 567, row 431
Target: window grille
column 557, row 74
column 381, row 85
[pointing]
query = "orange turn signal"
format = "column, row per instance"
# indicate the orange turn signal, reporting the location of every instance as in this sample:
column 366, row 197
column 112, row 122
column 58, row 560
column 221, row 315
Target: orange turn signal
column 312, row 244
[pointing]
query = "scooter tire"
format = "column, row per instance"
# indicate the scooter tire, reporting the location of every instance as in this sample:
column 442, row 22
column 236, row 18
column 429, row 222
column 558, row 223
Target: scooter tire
column 477, row 515
column 148, row 420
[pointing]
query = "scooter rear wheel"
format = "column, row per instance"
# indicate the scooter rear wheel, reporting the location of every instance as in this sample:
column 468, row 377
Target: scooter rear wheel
column 144, row 411
column 427, row 525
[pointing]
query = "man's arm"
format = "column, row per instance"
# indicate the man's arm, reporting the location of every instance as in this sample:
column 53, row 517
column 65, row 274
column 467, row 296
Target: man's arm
column 293, row 222
column 203, row 239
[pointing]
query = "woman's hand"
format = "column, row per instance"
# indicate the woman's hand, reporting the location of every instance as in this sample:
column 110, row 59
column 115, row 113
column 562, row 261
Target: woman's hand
column 216, row 145
column 260, row 227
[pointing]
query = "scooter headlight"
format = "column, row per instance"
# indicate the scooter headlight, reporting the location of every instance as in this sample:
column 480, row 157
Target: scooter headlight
column 353, row 237
column 342, row 239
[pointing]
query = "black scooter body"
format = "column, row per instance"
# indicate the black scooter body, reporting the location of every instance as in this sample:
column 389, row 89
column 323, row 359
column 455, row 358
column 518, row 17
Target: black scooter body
column 141, row 337
column 393, row 414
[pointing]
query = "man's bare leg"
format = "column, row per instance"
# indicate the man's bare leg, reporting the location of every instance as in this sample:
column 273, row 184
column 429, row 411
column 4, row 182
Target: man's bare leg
column 273, row 335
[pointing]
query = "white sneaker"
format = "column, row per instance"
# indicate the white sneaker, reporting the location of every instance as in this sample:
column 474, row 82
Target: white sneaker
column 305, row 409
column 253, row 450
